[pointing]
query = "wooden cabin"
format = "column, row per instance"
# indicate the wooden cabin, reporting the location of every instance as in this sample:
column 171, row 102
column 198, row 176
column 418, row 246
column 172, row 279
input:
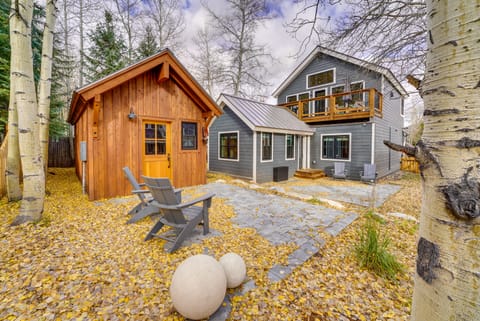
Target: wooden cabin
column 151, row 116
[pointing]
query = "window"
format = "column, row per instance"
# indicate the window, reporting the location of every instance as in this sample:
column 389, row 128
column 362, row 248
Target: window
column 339, row 98
column 267, row 147
column 189, row 136
column 319, row 106
column 336, row 146
column 228, row 145
column 155, row 139
column 294, row 98
column 322, row 78
column 359, row 96
column 289, row 146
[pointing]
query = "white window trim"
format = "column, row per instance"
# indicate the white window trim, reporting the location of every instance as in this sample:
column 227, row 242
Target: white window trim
column 294, row 145
column 327, row 101
column 286, row 98
column 335, row 159
column 319, row 72
column 238, row 146
column 261, row 148
column 363, row 87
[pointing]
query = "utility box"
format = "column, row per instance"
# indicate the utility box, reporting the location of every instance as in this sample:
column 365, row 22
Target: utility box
column 83, row 151
column 280, row 173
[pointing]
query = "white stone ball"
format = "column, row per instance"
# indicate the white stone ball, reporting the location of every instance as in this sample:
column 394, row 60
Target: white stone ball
column 198, row 287
column 234, row 268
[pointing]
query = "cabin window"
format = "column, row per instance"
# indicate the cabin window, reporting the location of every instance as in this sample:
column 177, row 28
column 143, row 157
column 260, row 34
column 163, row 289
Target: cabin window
column 228, row 145
column 339, row 98
column 336, row 147
column 321, row 78
column 289, row 147
column 155, row 139
column 189, row 136
column 267, row 147
column 320, row 106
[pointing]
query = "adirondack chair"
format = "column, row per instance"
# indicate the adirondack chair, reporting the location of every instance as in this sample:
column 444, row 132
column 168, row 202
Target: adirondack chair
column 143, row 208
column 339, row 171
column 183, row 218
column 369, row 173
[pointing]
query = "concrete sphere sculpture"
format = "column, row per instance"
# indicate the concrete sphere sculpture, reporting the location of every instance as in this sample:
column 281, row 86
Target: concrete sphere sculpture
column 235, row 269
column 198, row 287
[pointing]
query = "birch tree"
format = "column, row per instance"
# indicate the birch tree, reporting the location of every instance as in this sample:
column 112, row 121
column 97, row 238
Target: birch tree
column 22, row 82
column 386, row 32
column 126, row 10
column 246, row 71
column 448, row 249
column 168, row 20
column 45, row 78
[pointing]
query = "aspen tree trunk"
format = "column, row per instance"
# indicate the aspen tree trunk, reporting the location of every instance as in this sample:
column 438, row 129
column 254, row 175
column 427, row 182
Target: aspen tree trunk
column 31, row 207
column 45, row 78
column 14, row 193
column 447, row 282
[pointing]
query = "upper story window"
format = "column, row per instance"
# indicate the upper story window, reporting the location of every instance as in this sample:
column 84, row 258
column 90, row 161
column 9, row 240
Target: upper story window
column 321, row 78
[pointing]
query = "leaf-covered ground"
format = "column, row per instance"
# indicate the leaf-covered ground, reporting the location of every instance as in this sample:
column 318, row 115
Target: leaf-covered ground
column 82, row 262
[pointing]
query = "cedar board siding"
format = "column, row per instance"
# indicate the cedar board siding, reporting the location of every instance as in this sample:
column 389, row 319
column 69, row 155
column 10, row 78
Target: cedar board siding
column 265, row 169
column 119, row 141
column 229, row 122
column 343, row 69
column 389, row 127
column 361, row 137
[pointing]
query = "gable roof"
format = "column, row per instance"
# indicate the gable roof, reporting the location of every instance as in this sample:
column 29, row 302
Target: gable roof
column 265, row 117
column 359, row 62
column 170, row 68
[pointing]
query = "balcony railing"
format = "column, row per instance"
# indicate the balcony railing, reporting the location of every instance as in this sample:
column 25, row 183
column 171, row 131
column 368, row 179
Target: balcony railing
column 356, row 104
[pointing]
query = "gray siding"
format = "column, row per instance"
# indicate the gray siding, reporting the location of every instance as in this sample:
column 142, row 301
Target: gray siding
column 226, row 123
column 389, row 127
column 343, row 69
column 265, row 169
column 361, row 138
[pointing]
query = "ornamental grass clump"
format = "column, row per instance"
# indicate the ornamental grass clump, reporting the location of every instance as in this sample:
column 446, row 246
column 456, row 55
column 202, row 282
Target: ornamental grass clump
column 372, row 251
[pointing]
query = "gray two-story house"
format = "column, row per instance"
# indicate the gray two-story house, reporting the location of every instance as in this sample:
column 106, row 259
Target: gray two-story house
column 350, row 105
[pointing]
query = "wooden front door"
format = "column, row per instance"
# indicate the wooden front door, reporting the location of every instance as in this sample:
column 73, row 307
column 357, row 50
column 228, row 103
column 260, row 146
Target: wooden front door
column 157, row 149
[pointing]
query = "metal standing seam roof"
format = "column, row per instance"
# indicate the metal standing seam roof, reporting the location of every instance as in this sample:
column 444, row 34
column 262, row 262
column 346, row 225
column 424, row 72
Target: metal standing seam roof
column 265, row 117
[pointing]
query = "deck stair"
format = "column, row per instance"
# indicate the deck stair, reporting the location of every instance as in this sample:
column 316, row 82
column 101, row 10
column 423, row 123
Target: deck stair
column 310, row 173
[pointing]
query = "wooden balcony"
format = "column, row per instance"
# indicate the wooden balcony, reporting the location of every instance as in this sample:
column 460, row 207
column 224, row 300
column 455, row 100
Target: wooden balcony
column 356, row 104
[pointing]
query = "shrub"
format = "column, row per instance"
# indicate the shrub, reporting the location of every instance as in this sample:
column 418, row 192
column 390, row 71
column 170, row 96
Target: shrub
column 372, row 251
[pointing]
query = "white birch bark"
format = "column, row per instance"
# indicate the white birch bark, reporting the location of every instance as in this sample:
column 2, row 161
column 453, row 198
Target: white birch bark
column 447, row 282
column 31, row 207
column 12, row 173
column 45, row 77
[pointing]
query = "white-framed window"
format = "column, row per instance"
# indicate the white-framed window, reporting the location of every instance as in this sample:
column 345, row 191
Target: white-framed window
column 298, row 97
column 321, row 78
column 289, row 147
column 338, row 89
column 320, row 106
column 336, row 147
column 358, row 85
column 228, row 146
column 267, row 147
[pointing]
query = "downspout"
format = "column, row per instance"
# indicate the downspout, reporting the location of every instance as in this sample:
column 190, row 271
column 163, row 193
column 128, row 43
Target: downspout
column 254, row 165
column 373, row 145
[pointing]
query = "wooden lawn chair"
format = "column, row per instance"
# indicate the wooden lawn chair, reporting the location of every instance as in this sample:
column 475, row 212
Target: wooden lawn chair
column 369, row 173
column 143, row 208
column 183, row 218
column 339, row 171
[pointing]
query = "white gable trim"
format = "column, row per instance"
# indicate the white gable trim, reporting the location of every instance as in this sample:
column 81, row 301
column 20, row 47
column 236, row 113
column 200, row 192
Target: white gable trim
column 362, row 63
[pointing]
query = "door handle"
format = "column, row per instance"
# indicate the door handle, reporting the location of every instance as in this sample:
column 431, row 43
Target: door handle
column 169, row 160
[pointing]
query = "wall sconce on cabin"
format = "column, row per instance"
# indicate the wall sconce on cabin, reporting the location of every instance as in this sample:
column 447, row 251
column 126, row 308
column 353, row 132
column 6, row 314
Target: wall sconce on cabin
column 132, row 114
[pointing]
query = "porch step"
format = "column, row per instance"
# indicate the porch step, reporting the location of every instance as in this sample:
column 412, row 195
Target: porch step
column 310, row 173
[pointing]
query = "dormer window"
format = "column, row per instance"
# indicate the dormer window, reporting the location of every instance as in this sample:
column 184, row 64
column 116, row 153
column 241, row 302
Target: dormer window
column 325, row 77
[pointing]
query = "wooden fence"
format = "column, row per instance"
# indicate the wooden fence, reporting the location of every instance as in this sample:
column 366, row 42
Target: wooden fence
column 59, row 152
column 409, row 164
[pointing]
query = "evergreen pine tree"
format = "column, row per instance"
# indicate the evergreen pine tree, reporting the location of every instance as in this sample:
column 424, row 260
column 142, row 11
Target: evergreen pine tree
column 108, row 52
column 148, row 46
